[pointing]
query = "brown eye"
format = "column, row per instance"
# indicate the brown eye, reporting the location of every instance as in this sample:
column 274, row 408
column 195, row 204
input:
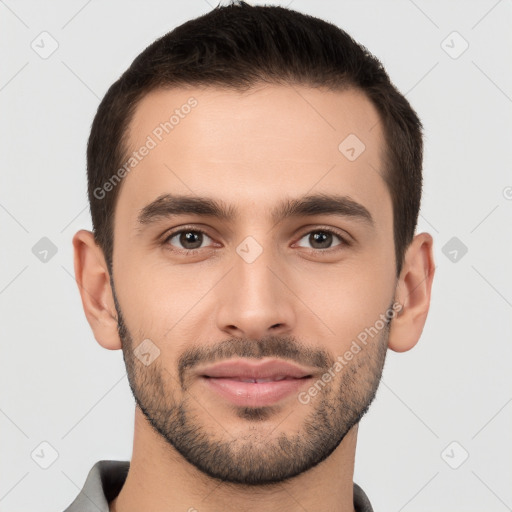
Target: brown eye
column 188, row 239
column 321, row 239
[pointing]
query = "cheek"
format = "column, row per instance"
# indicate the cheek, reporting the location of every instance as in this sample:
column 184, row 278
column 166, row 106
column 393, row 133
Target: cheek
column 333, row 301
column 159, row 301
column 344, row 301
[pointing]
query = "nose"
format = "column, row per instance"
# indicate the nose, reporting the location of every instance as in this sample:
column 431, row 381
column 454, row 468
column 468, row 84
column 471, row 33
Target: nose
column 254, row 299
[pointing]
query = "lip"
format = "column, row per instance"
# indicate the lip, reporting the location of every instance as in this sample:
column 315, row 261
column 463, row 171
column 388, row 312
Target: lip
column 255, row 384
column 246, row 369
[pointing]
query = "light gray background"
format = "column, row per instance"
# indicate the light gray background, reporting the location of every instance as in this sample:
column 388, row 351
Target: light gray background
column 60, row 387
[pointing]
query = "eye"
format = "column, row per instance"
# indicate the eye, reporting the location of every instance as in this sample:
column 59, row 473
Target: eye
column 189, row 239
column 322, row 239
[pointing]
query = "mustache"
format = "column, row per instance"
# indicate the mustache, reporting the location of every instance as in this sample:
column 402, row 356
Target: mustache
column 287, row 348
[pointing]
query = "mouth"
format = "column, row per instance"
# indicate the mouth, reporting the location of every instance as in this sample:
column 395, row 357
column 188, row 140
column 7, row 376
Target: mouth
column 255, row 384
column 247, row 370
column 254, row 380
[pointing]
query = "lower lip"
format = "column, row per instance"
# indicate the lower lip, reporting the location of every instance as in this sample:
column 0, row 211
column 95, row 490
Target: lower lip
column 254, row 394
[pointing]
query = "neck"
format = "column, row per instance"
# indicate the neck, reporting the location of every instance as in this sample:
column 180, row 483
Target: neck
column 161, row 480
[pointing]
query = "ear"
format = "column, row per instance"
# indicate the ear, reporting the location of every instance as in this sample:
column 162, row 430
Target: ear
column 413, row 293
column 92, row 277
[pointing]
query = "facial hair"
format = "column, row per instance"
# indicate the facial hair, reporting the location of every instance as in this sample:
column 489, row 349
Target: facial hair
column 260, row 456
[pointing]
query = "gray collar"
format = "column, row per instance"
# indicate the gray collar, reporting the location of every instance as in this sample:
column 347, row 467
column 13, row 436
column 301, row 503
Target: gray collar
column 107, row 477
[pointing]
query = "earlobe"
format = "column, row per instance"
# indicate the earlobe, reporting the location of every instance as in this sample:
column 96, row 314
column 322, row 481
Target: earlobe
column 92, row 277
column 413, row 293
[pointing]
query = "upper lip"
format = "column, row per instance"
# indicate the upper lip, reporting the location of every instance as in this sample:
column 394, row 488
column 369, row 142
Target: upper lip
column 244, row 369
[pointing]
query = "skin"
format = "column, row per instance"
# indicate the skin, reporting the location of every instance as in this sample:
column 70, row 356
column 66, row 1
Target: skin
column 251, row 150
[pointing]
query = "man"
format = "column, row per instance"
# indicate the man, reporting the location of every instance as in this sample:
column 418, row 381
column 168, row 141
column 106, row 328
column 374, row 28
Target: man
column 254, row 182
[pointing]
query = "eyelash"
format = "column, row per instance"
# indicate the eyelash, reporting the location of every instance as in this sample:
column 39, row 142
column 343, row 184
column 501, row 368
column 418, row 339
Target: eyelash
column 191, row 252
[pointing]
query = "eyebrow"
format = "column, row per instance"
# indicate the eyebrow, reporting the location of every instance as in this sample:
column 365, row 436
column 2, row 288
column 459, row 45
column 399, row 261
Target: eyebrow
column 169, row 205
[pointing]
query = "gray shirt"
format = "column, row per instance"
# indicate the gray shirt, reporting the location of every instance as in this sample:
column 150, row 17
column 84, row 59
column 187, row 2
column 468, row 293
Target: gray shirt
column 107, row 477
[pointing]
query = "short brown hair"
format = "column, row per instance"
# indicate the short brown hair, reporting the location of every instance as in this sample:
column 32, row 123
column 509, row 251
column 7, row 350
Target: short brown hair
column 239, row 46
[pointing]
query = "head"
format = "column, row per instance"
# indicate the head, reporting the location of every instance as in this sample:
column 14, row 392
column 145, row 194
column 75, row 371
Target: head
column 254, row 181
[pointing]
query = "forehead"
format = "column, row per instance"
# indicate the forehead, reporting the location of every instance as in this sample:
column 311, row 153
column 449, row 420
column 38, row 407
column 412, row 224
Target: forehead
column 253, row 147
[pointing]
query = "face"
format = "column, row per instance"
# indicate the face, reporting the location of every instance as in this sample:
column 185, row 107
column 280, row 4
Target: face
column 252, row 252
